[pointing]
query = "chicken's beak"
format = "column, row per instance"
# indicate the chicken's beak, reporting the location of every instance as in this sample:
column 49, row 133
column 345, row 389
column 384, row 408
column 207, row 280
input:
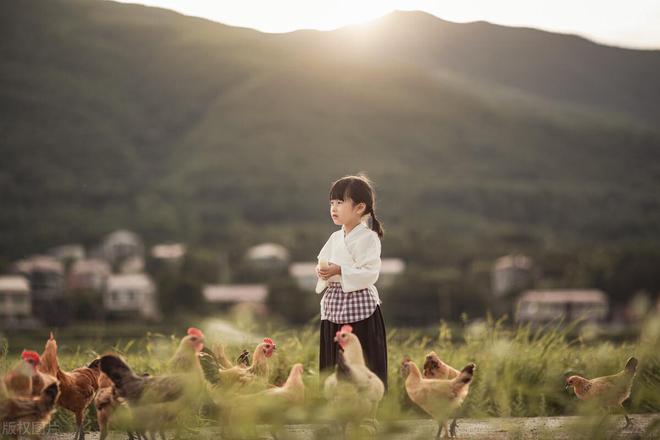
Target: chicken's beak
column 567, row 388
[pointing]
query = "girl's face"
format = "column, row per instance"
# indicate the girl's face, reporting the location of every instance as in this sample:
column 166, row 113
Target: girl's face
column 345, row 211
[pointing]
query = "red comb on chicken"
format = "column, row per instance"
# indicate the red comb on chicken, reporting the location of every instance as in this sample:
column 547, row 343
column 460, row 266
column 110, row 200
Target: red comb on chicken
column 192, row 331
column 269, row 341
column 31, row 356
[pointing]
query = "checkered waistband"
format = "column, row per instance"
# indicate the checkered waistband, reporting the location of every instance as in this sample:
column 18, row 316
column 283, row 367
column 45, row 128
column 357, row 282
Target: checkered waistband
column 334, row 284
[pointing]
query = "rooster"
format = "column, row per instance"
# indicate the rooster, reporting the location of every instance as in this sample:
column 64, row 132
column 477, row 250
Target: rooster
column 608, row 391
column 77, row 387
column 31, row 414
column 435, row 368
column 437, row 397
column 353, row 389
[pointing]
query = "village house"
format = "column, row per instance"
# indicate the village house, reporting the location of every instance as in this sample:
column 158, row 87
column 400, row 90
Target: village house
column 168, row 255
column 130, row 295
column 45, row 275
column 15, row 300
column 268, row 257
column 88, row 275
column 540, row 306
column 511, row 274
column 68, row 252
column 123, row 248
column 225, row 296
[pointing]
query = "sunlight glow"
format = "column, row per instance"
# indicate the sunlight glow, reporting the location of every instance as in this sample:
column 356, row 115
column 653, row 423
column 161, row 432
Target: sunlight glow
column 635, row 23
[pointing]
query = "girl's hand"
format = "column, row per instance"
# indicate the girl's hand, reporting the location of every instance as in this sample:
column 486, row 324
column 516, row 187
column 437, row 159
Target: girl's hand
column 332, row 270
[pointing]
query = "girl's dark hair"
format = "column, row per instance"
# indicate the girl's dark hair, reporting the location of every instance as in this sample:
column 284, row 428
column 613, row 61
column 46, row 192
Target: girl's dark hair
column 360, row 190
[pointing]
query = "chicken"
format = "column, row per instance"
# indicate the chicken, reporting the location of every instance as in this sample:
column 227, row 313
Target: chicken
column 153, row 400
column 106, row 403
column 218, row 350
column 439, row 398
column 259, row 371
column 186, row 357
column 20, row 415
column 272, row 406
column 77, row 387
column 18, row 380
column 435, row 368
column 39, row 379
column 184, row 360
column 608, row 391
column 353, row 389
column 291, row 392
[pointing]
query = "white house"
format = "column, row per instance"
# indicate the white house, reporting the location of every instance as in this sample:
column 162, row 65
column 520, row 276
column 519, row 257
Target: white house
column 88, row 274
column 168, row 251
column 235, row 293
column 267, row 256
column 121, row 246
column 131, row 294
column 15, row 302
column 546, row 305
column 45, row 275
column 511, row 274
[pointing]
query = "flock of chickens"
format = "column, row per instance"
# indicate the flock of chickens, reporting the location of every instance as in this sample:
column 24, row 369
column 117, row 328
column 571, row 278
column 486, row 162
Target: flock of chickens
column 200, row 378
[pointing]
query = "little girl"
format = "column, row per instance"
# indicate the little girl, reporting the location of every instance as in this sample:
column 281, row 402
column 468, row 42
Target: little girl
column 347, row 280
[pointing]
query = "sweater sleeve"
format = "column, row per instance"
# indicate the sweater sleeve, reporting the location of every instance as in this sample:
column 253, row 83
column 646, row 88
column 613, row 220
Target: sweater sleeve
column 325, row 250
column 365, row 268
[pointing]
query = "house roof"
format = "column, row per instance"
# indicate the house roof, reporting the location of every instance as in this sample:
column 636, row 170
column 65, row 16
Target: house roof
column 513, row 261
column 90, row 265
column 168, row 250
column 14, row 283
column 73, row 250
column 130, row 281
column 39, row 262
column 392, row 266
column 564, row 296
column 267, row 250
column 221, row 293
column 302, row 269
column 122, row 236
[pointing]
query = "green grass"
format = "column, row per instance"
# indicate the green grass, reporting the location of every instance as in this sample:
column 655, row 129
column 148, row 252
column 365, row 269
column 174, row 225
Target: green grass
column 520, row 371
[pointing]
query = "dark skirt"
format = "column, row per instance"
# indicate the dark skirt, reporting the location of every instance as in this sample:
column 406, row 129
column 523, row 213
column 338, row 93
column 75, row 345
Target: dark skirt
column 370, row 332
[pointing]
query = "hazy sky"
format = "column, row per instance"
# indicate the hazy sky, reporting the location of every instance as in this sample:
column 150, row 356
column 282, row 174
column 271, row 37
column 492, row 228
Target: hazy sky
column 631, row 23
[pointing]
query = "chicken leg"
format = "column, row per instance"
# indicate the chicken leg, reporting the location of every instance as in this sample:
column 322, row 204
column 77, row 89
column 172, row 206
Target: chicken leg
column 628, row 421
column 452, row 428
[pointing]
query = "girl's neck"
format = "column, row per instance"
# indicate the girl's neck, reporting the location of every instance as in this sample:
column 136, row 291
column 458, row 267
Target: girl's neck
column 348, row 227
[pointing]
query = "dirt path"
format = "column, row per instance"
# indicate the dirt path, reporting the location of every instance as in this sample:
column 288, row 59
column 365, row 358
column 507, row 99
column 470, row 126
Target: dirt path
column 555, row 428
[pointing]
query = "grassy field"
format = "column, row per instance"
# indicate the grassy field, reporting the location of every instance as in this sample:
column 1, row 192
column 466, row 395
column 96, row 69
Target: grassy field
column 520, row 371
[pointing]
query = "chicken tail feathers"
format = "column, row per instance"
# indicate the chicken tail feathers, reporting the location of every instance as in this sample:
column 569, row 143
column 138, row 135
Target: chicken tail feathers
column 244, row 358
column 210, row 365
column 466, row 373
column 631, row 366
column 116, row 369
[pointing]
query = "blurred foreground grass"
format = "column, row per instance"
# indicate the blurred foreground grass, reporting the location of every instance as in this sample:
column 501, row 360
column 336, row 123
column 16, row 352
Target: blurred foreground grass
column 521, row 371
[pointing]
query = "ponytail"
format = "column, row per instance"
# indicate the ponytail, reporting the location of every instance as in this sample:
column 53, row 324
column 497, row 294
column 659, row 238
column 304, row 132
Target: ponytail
column 376, row 226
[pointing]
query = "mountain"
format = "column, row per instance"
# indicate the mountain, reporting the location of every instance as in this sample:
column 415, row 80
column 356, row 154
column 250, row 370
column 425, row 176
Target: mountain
column 566, row 68
column 118, row 115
